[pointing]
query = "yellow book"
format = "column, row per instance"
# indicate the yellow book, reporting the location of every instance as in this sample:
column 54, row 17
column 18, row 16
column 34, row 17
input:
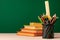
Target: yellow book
column 37, row 25
column 32, row 27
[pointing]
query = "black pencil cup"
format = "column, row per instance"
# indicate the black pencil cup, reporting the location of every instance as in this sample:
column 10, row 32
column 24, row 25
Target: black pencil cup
column 48, row 31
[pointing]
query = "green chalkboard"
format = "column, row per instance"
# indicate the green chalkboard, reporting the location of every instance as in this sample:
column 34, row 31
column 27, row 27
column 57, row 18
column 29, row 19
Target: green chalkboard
column 15, row 13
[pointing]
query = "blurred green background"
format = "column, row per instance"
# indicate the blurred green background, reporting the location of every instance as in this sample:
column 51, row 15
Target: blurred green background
column 15, row 13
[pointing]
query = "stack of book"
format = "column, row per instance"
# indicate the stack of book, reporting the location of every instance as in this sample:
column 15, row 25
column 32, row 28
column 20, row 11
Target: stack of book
column 34, row 29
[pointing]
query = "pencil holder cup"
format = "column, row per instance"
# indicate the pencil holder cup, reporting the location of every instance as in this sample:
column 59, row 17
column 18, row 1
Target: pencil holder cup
column 48, row 25
column 48, row 31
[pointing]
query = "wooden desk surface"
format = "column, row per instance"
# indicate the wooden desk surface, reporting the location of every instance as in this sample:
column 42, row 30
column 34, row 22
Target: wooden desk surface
column 13, row 36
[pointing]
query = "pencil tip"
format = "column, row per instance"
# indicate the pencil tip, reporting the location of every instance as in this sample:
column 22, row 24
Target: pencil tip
column 54, row 15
